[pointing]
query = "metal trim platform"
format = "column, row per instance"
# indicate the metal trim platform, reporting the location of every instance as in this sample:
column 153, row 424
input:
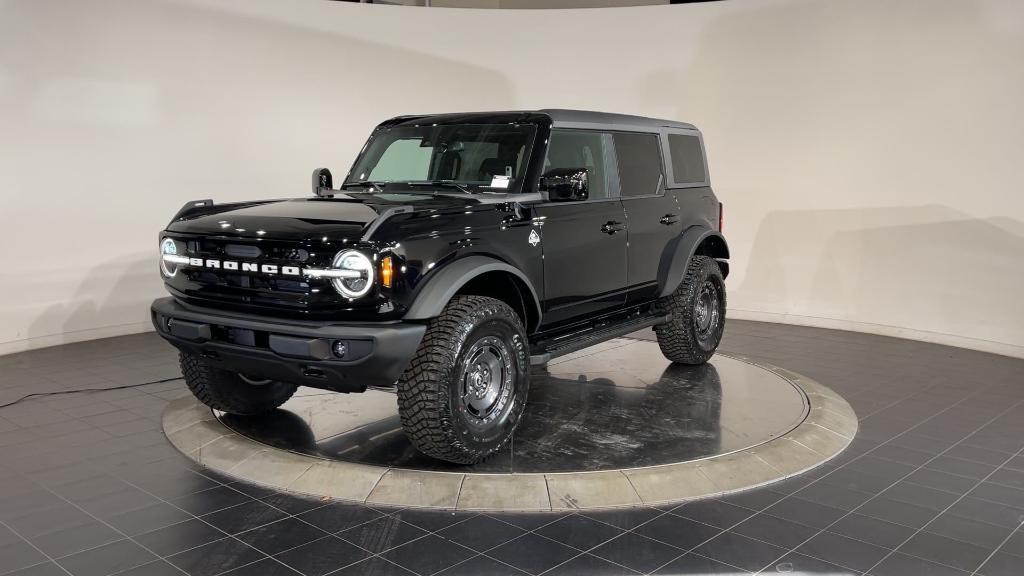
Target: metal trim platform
column 830, row 425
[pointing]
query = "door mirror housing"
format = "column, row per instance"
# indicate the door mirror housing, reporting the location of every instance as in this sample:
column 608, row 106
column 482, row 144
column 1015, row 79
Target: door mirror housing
column 565, row 184
column 323, row 182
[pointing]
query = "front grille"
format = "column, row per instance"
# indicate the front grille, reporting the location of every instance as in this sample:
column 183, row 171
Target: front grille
column 248, row 281
column 272, row 252
column 255, row 289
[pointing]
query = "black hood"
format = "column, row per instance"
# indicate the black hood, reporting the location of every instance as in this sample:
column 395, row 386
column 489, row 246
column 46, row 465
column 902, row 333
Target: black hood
column 300, row 219
column 343, row 216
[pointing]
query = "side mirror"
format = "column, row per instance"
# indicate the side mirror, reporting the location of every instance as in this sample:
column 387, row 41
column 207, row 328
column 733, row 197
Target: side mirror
column 323, row 183
column 565, row 184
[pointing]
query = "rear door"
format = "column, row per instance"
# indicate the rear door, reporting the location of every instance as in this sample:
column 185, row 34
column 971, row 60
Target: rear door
column 653, row 217
column 584, row 242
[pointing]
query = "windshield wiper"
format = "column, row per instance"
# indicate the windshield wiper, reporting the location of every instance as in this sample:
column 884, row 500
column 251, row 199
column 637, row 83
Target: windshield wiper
column 377, row 186
column 447, row 183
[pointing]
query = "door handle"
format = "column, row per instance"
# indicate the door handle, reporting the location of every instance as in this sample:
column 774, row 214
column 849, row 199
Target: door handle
column 669, row 219
column 611, row 227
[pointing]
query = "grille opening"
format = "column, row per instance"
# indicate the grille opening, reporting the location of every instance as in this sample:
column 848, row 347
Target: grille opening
column 241, row 336
column 242, row 251
column 247, row 281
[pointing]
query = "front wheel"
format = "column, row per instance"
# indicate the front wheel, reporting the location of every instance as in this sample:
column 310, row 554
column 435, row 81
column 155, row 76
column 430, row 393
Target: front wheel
column 464, row 391
column 229, row 391
column 697, row 314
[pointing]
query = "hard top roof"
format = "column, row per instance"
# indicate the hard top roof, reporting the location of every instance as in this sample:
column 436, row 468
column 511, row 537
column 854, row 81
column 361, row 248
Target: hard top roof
column 558, row 117
column 561, row 116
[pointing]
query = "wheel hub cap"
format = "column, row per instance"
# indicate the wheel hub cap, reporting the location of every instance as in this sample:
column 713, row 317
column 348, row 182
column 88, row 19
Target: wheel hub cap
column 479, row 381
column 487, row 379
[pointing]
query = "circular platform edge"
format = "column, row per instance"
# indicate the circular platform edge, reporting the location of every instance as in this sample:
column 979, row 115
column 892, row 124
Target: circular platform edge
column 828, row 429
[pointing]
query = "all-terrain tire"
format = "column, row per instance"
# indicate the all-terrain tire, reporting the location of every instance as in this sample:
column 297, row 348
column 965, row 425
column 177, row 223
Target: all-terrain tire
column 691, row 335
column 226, row 391
column 433, row 390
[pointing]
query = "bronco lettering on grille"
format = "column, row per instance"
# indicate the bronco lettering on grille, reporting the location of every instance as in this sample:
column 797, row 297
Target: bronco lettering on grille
column 235, row 265
column 255, row 267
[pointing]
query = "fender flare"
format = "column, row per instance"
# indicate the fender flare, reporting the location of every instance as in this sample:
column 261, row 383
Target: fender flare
column 447, row 281
column 678, row 252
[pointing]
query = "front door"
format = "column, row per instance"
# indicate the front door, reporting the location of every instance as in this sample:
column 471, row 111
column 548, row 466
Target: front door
column 584, row 242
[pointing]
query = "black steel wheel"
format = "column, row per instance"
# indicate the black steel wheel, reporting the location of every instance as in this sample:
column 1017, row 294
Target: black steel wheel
column 697, row 314
column 707, row 313
column 488, row 381
column 464, row 391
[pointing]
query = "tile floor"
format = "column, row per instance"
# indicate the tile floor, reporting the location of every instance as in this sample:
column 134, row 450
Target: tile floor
column 933, row 485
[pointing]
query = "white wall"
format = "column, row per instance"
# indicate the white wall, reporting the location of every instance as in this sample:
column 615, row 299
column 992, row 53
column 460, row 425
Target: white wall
column 869, row 153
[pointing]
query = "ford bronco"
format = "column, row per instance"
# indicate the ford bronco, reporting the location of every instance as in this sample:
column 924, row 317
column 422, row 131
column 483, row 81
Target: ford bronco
column 459, row 250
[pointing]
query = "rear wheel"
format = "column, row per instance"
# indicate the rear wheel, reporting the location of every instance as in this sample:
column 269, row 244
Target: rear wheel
column 232, row 392
column 697, row 310
column 464, row 391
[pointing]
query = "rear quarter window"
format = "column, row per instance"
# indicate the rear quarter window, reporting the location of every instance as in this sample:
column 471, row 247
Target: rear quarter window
column 687, row 159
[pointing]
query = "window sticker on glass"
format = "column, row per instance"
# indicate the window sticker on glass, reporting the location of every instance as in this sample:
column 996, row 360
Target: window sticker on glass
column 500, row 181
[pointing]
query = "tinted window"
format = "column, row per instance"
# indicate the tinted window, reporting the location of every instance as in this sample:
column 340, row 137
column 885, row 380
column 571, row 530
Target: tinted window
column 639, row 164
column 687, row 160
column 579, row 149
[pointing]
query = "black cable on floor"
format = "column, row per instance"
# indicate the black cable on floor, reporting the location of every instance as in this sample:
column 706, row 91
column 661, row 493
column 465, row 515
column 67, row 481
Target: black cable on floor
column 122, row 387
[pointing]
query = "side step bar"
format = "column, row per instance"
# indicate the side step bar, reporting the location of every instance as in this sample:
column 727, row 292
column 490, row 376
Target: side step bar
column 572, row 342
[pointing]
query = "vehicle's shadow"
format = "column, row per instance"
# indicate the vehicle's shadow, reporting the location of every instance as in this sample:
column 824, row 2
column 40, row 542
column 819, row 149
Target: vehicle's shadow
column 281, row 429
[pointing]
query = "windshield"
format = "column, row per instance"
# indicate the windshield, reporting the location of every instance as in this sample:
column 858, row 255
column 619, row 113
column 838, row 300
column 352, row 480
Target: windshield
column 480, row 157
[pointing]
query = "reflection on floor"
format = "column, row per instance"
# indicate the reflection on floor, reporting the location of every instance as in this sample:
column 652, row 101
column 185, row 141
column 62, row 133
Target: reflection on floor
column 616, row 405
column 934, row 484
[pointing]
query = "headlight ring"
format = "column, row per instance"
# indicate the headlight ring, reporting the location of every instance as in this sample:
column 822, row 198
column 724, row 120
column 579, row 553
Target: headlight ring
column 168, row 267
column 353, row 261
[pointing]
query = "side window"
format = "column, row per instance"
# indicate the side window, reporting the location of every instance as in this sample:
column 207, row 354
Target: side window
column 687, row 160
column 403, row 160
column 639, row 164
column 584, row 149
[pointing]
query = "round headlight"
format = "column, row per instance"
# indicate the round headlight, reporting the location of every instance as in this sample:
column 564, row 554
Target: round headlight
column 360, row 282
column 168, row 247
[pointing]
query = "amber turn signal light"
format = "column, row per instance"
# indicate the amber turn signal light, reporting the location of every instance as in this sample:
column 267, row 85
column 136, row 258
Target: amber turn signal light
column 387, row 271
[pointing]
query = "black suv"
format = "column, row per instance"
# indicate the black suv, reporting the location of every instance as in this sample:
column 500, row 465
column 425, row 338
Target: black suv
column 459, row 250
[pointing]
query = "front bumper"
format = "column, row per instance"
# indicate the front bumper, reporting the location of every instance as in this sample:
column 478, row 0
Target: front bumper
column 300, row 352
